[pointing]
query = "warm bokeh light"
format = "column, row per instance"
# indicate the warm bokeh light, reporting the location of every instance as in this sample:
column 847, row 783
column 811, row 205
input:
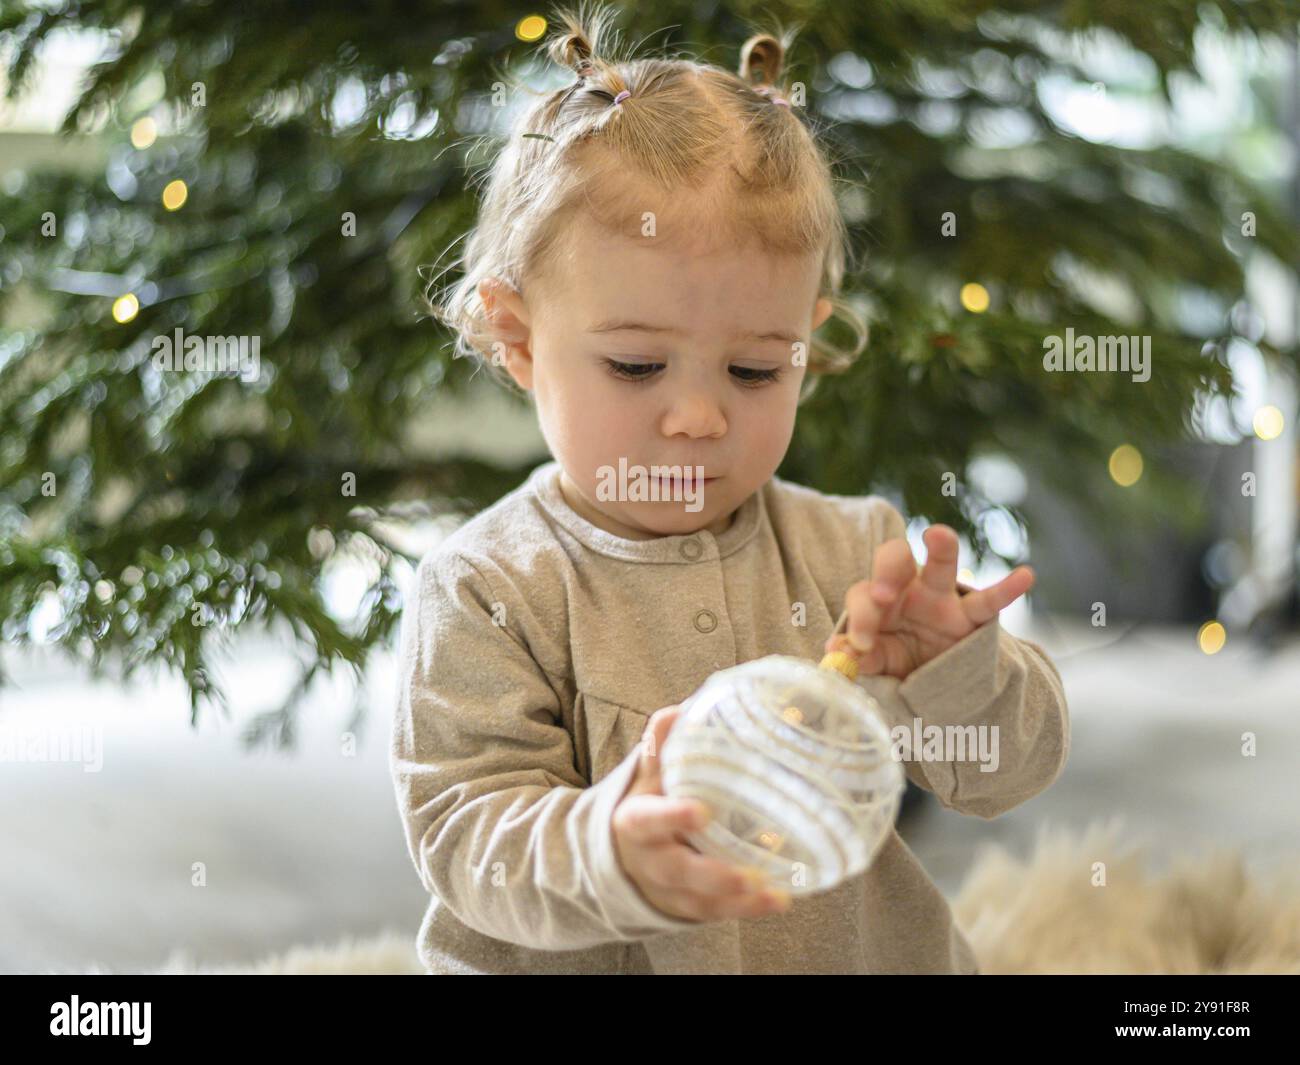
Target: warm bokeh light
column 1268, row 423
column 1125, row 465
column 144, row 132
column 975, row 298
column 966, row 577
column 125, row 307
column 1211, row 637
column 175, row 195
column 530, row 28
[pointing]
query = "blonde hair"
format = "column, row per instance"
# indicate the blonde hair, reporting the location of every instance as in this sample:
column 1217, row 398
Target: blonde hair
column 686, row 125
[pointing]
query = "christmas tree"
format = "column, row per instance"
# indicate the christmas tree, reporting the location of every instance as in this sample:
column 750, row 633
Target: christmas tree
column 280, row 181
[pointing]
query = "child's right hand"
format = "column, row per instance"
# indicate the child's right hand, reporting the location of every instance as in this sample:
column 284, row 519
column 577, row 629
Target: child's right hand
column 649, row 843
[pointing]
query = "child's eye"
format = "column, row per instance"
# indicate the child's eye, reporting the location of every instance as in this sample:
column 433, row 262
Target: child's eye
column 641, row 371
column 633, row 371
column 750, row 375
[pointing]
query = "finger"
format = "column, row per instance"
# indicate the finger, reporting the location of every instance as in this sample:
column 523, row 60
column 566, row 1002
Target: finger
column 681, row 867
column 680, row 904
column 985, row 604
column 876, row 603
column 725, row 907
column 893, row 571
column 647, row 819
column 890, row 601
column 652, row 743
column 893, row 565
column 872, row 661
column 753, row 904
column 883, row 594
column 940, row 571
column 864, row 616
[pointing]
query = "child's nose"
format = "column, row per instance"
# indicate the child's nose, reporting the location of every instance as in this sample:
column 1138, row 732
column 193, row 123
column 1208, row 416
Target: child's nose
column 696, row 414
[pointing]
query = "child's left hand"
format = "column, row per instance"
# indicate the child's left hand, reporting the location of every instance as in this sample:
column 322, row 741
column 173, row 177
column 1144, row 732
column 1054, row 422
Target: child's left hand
column 899, row 619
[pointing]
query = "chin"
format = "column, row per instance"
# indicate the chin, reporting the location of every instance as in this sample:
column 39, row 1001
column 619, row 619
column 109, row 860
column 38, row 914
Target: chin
column 675, row 522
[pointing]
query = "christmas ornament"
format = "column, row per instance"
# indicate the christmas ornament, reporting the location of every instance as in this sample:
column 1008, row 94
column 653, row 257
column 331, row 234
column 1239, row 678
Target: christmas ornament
column 795, row 762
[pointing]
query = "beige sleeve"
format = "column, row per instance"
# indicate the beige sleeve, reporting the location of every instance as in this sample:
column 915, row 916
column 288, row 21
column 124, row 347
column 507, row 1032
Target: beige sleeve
column 988, row 679
column 499, row 823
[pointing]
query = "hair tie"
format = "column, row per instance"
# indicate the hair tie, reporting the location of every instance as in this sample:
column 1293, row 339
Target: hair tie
column 622, row 96
column 770, row 92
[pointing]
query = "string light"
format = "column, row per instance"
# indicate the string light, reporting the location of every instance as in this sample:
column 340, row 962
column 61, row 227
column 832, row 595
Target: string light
column 144, row 132
column 1211, row 637
column 1125, row 465
column 975, row 298
column 175, row 195
column 125, row 308
column 1268, row 423
column 530, row 28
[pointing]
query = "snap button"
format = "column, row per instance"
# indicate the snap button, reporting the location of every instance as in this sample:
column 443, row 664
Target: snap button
column 706, row 621
column 691, row 550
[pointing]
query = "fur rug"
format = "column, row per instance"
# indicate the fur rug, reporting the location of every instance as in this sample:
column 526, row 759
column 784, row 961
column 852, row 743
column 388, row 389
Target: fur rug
column 1204, row 915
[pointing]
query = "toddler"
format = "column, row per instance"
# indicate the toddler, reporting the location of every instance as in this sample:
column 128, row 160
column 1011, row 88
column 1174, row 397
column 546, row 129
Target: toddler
column 657, row 246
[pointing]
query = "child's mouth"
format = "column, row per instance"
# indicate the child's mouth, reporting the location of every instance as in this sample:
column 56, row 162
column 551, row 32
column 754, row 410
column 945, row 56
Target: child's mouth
column 687, row 482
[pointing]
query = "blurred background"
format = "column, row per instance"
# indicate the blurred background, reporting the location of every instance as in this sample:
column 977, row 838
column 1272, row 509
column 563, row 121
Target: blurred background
column 201, row 575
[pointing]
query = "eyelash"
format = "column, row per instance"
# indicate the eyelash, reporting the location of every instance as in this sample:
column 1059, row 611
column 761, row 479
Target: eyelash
column 624, row 372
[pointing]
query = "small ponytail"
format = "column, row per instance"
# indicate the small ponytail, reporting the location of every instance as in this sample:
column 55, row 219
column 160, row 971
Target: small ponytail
column 573, row 49
column 581, row 44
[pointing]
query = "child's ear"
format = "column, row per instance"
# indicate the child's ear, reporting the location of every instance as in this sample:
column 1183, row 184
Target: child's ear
column 509, row 319
column 821, row 311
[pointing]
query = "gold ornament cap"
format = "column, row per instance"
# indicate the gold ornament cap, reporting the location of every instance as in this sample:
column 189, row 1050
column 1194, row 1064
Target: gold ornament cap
column 841, row 662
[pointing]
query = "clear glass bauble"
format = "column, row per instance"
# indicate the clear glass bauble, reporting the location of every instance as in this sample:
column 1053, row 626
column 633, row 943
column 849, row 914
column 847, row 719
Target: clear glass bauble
column 795, row 762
